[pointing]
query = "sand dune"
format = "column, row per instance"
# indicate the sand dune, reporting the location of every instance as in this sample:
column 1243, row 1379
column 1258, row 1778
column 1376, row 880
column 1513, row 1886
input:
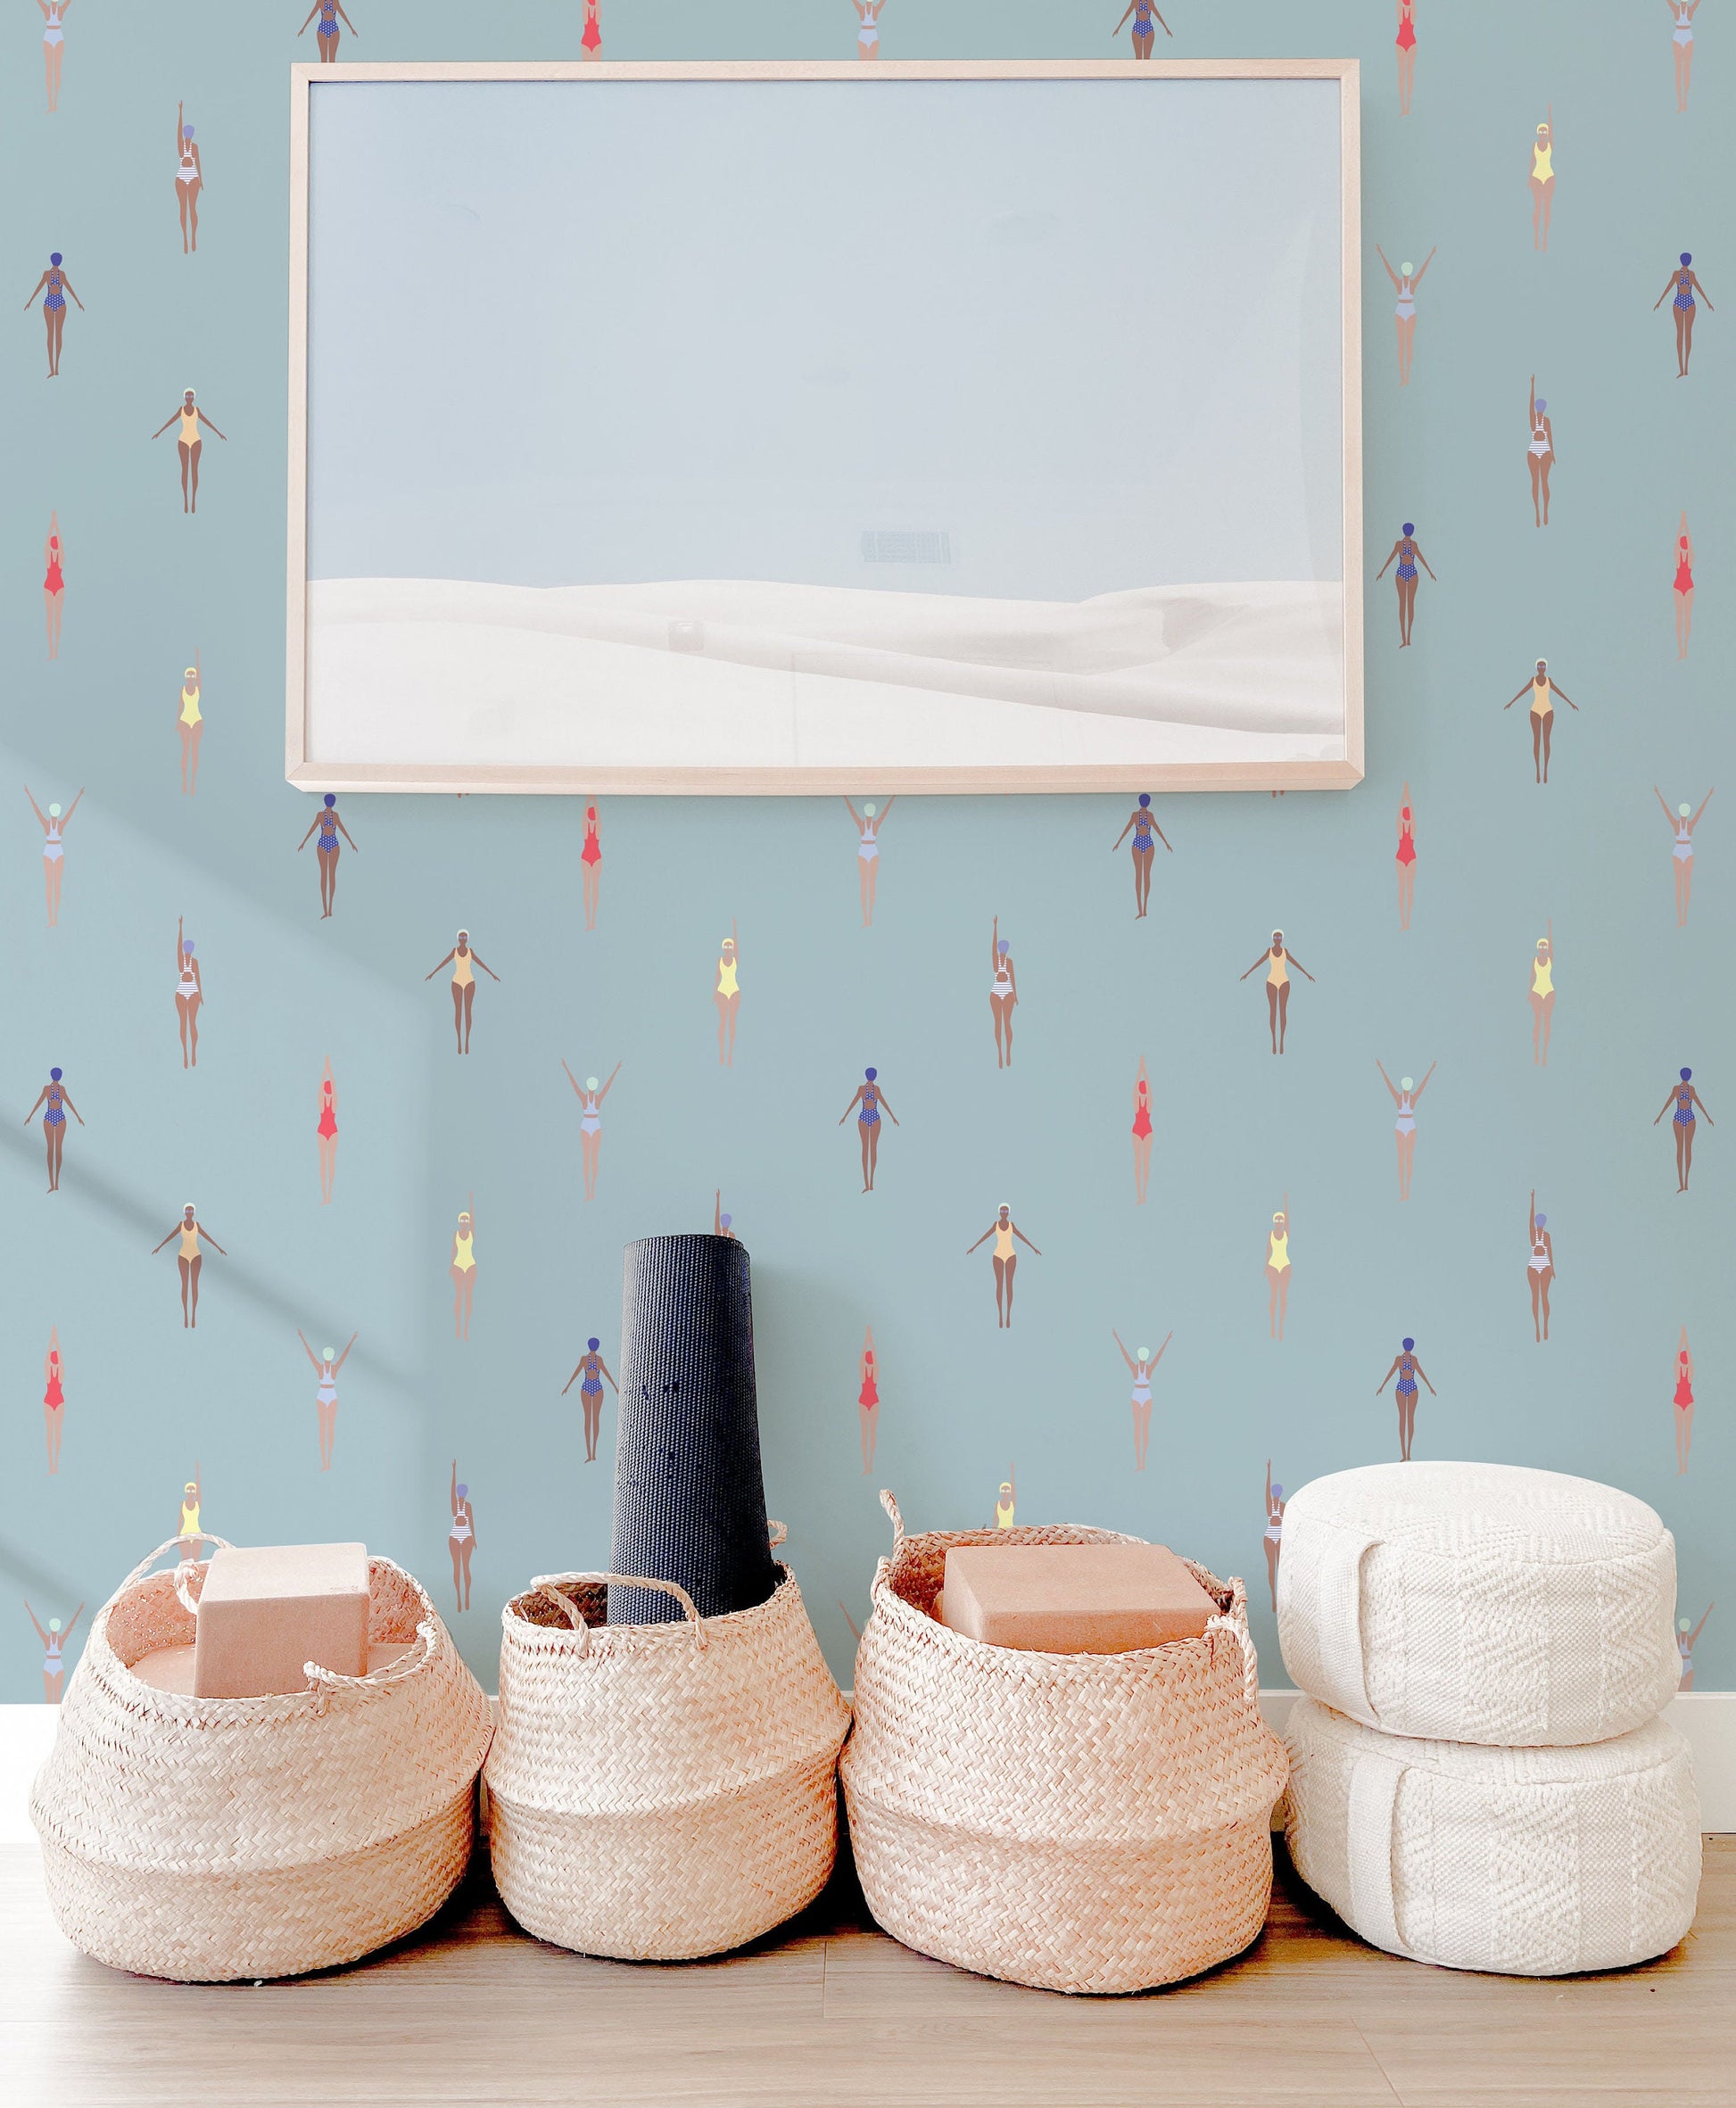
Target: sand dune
column 745, row 673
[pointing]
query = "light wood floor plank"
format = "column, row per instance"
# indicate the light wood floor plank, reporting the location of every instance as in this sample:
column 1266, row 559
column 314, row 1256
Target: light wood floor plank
column 832, row 2014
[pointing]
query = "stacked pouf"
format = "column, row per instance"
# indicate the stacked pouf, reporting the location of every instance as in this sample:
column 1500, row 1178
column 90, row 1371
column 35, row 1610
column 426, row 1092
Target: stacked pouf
column 1480, row 1775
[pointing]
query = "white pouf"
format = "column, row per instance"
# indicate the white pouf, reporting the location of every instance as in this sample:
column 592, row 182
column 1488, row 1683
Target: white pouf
column 1530, row 1862
column 1479, row 1602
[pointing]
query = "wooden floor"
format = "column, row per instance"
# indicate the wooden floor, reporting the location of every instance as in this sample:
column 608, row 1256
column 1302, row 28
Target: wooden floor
column 833, row 2013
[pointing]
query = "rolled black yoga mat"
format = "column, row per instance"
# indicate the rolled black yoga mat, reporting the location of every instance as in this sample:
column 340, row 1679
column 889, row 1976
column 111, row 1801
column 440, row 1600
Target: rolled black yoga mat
column 690, row 1500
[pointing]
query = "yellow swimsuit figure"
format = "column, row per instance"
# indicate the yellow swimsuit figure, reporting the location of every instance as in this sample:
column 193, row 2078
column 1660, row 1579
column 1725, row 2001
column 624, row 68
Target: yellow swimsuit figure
column 1003, row 1515
column 1541, row 166
column 189, row 433
column 465, row 1256
column 1004, row 1241
column 190, row 1519
column 1277, row 1253
column 726, row 980
column 190, row 710
column 189, row 1246
column 1542, row 704
column 1277, row 974
column 1542, row 984
column 462, row 976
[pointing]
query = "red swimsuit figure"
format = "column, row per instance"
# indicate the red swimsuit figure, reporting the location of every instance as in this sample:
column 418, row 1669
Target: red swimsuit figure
column 1407, row 44
column 1405, row 856
column 592, row 857
column 593, row 39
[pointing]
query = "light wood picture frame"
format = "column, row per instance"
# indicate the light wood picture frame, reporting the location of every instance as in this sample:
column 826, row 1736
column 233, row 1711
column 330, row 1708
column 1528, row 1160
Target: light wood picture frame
column 1062, row 514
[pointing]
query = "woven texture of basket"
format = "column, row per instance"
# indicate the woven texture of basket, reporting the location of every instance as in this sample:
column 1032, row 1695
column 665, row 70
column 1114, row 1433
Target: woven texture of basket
column 658, row 1792
column 206, row 1840
column 1080, row 1822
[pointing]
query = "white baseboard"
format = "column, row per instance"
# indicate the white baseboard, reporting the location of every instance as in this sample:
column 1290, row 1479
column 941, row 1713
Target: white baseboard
column 1707, row 1718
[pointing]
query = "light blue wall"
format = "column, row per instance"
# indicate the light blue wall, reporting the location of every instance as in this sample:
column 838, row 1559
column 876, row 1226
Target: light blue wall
column 420, row 1129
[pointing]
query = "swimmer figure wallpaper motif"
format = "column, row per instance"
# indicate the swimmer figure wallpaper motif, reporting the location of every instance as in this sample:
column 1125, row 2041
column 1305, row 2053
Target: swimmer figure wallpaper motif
column 860, row 615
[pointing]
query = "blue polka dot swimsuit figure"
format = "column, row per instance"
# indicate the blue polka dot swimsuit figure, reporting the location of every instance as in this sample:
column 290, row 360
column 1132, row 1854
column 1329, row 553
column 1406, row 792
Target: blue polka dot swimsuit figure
column 53, row 300
column 1684, row 1105
column 1407, row 550
column 328, row 830
column 1685, row 289
column 55, row 1115
column 1407, row 1380
column 870, row 1116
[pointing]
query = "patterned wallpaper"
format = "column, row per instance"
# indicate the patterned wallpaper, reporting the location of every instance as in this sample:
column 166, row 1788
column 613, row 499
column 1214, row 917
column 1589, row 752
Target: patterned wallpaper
column 1427, row 1183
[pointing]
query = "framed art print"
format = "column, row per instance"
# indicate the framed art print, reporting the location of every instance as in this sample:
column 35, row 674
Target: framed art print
column 808, row 428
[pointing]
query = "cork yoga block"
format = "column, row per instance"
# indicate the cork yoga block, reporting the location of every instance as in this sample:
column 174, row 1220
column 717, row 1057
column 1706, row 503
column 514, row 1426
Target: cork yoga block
column 267, row 1610
column 170, row 1669
column 1072, row 1599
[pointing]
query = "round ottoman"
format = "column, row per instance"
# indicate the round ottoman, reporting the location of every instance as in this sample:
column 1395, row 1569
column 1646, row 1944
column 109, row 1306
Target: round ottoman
column 1529, row 1862
column 1479, row 1602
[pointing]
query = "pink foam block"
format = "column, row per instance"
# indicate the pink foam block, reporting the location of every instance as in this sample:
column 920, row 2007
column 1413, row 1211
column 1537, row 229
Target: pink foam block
column 1072, row 1599
column 268, row 1609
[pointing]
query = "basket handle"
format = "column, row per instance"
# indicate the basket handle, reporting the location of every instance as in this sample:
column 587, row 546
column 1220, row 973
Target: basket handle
column 1235, row 1621
column 777, row 1532
column 889, row 1502
column 324, row 1683
column 185, row 1567
column 547, row 1585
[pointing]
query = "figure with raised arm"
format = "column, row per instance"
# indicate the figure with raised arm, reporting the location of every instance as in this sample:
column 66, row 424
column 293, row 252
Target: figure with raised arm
column 54, row 1637
column 325, row 1365
column 590, row 1096
column 868, row 821
column 1682, row 1401
column 1140, row 1371
column 1274, row 1534
column 1541, row 973
column 462, row 1539
column 54, row 823
column 462, row 1267
column 1540, row 455
column 1681, row 823
column 1405, row 281
column 1278, row 1271
column 1405, row 1095
column 1540, row 1269
column 726, row 993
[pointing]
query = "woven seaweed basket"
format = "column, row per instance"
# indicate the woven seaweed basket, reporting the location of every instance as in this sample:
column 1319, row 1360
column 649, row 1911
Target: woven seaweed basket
column 206, row 1840
column 660, row 1792
column 1079, row 1823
